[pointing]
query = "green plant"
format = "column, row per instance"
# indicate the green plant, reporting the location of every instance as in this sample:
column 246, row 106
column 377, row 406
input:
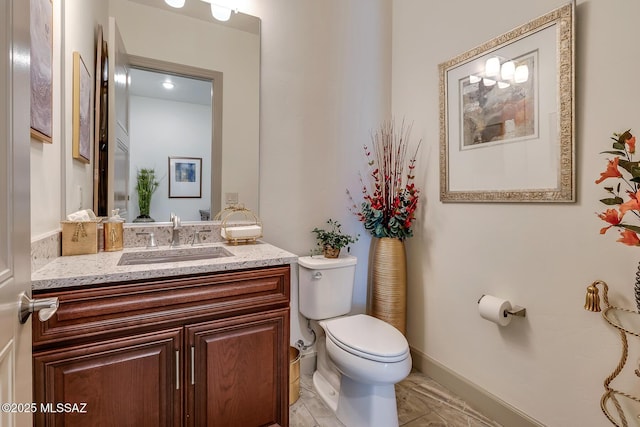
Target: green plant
column 146, row 186
column 334, row 237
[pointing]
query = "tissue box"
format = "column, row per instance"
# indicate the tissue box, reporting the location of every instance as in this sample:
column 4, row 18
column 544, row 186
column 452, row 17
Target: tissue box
column 79, row 237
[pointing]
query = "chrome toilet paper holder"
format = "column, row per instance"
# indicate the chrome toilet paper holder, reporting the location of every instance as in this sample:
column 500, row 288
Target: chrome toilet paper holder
column 516, row 310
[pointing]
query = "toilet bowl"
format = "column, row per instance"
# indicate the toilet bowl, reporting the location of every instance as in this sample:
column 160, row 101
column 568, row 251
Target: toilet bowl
column 360, row 358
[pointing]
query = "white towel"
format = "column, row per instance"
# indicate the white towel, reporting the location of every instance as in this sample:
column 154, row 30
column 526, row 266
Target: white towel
column 242, row 232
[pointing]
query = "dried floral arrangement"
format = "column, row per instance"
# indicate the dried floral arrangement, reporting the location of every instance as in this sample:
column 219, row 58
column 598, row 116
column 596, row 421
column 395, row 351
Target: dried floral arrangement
column 390, row 197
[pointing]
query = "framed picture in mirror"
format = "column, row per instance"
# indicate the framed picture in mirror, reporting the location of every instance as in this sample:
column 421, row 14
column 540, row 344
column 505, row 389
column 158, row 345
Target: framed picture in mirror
column 185, row 177
column 81, row 110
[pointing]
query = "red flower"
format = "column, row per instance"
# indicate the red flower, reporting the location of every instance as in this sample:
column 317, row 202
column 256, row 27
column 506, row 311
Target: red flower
column 631, row 144
column 631, row 205
column 611, row 216
column 629, row 238
column 611, row 172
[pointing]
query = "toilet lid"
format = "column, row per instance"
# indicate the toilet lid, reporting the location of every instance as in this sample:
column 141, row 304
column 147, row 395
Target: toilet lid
column 368, row 337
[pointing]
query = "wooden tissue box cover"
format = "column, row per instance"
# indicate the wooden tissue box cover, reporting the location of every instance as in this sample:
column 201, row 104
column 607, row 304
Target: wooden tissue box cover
column 79, row 237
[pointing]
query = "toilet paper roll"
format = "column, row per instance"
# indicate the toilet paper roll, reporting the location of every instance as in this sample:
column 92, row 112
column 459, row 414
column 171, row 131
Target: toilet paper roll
column 494, row 310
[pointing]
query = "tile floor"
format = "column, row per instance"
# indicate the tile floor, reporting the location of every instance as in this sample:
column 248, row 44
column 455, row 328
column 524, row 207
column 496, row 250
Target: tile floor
column 421, row 403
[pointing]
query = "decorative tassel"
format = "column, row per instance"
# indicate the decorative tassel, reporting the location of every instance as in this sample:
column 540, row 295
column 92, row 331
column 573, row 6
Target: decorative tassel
column 592, row 302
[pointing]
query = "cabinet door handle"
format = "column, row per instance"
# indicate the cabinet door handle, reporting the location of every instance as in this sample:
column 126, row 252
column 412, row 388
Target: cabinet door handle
column 193, row 363
column 177, row 369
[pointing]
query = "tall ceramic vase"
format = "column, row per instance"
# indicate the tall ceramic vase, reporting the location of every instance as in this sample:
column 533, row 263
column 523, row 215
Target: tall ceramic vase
column 388, row 282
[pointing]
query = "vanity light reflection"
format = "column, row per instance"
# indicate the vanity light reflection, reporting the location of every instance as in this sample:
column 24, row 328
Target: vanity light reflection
column 503, row 73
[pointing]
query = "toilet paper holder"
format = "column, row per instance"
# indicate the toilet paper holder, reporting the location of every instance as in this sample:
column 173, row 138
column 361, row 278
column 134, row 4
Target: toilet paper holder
column 516, row 310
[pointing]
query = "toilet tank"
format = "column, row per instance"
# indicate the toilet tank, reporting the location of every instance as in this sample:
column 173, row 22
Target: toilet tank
column 325, row 286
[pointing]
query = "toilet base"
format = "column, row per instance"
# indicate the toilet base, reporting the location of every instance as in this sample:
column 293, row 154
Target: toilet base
column 367, row 405
column 325, row 390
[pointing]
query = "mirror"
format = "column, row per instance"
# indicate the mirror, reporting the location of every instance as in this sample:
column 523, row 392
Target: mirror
column 199, row 44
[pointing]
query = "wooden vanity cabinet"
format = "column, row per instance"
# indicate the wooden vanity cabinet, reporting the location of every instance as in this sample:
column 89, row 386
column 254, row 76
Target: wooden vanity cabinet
column 206, row 350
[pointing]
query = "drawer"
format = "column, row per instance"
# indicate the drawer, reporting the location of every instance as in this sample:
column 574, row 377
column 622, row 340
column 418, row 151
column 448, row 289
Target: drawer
column 117, row 309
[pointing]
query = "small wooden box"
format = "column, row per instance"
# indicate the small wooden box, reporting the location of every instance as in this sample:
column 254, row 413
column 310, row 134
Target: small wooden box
column 79, row 237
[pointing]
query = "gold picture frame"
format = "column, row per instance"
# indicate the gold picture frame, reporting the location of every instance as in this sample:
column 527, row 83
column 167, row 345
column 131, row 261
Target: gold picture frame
column 81, row 110
column 507, row 130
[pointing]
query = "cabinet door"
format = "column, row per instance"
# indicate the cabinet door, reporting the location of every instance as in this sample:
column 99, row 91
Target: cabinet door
column 126, row 382
column 238, row 374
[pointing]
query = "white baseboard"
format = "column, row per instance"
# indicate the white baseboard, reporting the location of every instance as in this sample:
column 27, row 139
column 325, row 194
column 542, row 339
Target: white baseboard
column 477, row 397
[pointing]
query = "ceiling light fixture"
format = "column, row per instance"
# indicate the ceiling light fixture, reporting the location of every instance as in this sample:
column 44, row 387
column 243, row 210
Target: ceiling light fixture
column 221, row 9
column 167, row 84
column 175, row 3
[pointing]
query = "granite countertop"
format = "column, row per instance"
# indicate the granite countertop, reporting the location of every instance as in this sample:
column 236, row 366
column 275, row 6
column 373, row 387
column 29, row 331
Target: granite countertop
column 101, row 268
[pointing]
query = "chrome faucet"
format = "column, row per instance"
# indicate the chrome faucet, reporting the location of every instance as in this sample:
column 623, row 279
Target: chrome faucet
column 175, row 235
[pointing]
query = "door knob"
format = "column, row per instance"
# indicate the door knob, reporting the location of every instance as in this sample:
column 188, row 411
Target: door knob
column 45, row 307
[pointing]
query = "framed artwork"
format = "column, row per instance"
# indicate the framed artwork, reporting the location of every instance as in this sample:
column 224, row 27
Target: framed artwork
column 81, row 110
column 41, row 32
column 185, row 177
column 507, row 116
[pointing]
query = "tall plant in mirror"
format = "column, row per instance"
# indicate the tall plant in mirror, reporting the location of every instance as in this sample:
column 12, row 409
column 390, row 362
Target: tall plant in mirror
column 146, row 185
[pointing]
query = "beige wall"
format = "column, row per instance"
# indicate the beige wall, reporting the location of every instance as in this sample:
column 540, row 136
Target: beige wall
column 325, row 84
column 542, row 256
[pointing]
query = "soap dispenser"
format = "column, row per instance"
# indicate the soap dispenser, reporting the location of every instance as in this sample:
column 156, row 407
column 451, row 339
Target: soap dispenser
column 114, row 232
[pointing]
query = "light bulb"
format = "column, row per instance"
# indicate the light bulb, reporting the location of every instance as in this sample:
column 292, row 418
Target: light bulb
column 492, row 67
column 175, row 3
column 507, row 70
column 488, row 82
column 521, row 74
column 503, row 85
column 221, row 13
column 474, row 79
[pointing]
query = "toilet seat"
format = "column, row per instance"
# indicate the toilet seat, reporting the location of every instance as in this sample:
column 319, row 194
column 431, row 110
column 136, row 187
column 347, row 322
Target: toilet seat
column 367, row 337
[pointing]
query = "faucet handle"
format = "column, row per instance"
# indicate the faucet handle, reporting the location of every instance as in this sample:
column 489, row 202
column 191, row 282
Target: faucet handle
column 151, row 241
column 175, row 220
column 196, row 237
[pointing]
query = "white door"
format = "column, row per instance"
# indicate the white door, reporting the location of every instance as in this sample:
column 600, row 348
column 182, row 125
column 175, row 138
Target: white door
column 118, row 193
column 15, row 269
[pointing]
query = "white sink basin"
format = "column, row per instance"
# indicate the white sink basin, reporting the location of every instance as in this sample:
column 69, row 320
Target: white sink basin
column 173, row 255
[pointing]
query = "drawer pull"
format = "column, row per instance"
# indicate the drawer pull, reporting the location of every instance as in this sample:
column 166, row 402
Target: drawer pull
column 193, row 363
column 177, row 369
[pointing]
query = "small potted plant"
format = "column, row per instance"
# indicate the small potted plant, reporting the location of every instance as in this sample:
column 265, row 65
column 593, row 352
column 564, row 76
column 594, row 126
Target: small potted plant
column 146, row 185
column 332, row 240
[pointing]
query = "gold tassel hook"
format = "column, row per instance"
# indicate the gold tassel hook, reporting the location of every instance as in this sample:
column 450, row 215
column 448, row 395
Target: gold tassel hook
column 592, row 301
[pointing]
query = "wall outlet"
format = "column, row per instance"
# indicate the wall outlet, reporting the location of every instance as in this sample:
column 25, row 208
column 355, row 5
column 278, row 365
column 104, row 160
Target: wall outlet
column 231, row 198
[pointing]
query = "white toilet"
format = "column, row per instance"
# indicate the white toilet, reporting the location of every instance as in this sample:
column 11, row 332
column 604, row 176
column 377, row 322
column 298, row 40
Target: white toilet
column 366, row 356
